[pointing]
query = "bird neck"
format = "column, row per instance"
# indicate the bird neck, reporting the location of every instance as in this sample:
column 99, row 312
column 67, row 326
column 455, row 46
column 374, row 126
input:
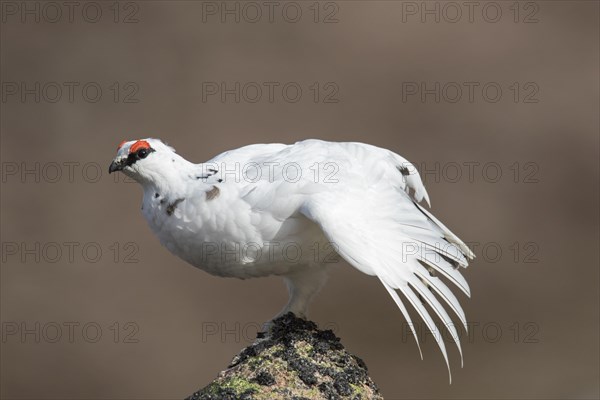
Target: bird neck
column 177, row 179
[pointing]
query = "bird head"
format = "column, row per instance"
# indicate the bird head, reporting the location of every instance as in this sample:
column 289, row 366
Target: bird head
column 145, row 160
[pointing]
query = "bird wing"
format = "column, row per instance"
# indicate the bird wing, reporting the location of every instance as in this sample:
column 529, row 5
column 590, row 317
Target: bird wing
column 373, row 220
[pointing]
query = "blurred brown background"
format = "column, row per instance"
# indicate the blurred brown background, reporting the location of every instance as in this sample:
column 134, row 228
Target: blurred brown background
column 134, row 322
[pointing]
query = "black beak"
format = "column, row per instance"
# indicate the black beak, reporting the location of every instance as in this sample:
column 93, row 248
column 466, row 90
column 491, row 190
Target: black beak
column 115, row 166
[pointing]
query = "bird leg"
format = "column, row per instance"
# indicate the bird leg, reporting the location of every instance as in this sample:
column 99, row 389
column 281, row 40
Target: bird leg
column 302, row 287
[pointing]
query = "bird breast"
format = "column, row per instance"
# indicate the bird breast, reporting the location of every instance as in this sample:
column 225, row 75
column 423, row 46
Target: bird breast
column 225, row 237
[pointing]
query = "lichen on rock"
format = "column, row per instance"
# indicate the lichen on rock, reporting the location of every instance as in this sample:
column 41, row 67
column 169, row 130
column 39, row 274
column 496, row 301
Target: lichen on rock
column 294, row 360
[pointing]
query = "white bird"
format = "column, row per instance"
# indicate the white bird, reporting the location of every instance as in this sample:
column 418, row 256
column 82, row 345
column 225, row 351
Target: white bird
column 276, row 209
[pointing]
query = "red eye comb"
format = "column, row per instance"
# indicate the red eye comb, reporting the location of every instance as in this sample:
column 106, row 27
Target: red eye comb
column 140, row 144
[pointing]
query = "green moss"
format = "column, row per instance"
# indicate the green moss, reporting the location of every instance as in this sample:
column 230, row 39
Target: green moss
column 358, row 390
column 256, row 362
column 303, row 348
column 313, row 393
column 236, row 383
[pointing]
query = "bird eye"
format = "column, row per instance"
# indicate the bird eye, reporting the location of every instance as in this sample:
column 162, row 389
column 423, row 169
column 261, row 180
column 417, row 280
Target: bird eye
column 142, row 153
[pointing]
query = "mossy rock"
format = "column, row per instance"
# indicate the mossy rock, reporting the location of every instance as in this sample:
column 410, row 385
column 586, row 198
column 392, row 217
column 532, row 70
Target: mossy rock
column 294, row 360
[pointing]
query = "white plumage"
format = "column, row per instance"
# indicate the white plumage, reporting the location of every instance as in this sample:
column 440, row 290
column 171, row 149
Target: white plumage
column 239, row 214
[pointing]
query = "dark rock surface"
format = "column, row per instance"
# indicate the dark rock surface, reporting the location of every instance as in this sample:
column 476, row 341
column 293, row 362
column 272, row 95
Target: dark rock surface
column 294, row 360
